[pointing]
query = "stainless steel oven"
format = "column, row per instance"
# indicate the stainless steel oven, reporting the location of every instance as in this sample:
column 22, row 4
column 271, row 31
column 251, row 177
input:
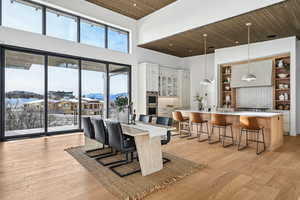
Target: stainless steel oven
column 152, row 103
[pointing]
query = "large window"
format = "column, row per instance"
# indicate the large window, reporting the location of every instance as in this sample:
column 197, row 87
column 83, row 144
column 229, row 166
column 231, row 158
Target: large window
column 50, row 93
column 63, row 96
column 28, row 16
column 61, row 25
column 24, row 93
column 117, row 40
column 93, row 79
column 22, row 15
column 92, row 33
column 118, row 92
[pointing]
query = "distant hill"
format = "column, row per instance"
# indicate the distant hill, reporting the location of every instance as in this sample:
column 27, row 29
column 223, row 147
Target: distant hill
column 22, row 95
column 100, row 96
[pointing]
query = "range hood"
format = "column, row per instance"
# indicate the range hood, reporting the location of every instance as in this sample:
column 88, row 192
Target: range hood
column 261, row 69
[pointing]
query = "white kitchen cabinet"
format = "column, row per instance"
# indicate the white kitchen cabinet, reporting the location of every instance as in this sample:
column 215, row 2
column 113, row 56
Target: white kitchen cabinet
column 184, row 88
column 168, row 82
column 151, row 72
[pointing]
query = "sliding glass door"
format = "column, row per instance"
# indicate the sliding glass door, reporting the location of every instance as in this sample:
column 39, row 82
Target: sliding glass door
column 93, row 79
column 118, row 92
column 63, row 89
column 24, row 93
column 49, row 93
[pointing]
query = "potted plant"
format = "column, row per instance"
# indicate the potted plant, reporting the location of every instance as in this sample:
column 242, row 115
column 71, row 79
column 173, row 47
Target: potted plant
column 121, row 104
column 199, row 99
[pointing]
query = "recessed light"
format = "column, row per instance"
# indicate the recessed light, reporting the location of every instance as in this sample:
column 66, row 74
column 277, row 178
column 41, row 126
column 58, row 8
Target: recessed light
column 134, row 4
column 170, row 44
column 237, row 42
column 272, row 36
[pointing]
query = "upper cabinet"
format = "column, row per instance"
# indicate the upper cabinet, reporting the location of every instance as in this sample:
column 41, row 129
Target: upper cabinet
column 168, row 82
column 149, row 73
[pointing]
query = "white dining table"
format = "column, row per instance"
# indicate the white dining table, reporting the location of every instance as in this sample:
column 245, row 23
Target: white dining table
column 148, row 144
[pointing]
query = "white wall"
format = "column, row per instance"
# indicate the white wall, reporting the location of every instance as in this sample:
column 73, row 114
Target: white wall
column 184, row 15
column 196, row 65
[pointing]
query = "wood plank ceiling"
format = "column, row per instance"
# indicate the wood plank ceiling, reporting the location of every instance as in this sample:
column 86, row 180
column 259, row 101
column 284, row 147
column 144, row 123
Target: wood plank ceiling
column 135, row 9
column 269, row 23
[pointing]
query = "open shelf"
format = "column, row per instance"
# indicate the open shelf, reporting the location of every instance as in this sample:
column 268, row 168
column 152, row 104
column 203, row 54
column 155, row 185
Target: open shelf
column 280, row 83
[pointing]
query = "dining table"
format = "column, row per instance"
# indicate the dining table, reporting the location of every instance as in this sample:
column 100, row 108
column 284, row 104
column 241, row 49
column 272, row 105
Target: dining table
column 147, row 137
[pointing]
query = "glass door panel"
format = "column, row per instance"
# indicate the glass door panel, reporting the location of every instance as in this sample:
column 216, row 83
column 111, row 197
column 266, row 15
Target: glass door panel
column 63, row 103
column 118, row 92
column 24, row 93
column 93, row 78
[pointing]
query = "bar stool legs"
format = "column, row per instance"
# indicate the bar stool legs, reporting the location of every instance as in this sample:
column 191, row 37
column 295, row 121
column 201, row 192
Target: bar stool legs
column 222, row 137
column 201, row 132
column 211, row 134
column 257, row 140
column 227, row 136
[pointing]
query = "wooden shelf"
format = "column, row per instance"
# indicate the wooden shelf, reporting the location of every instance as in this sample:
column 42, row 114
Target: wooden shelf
column 283, row 79
column 284, row 89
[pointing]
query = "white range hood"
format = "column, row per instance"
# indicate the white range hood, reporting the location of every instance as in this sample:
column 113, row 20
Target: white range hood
column 261, row 69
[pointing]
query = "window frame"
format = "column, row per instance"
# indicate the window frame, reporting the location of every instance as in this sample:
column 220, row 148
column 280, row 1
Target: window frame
column 79, row 18
column 46, row 55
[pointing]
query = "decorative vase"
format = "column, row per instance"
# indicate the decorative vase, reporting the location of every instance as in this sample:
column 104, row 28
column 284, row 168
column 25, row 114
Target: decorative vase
column 200, row 106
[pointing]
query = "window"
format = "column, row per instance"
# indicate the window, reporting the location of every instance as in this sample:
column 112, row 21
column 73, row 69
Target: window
column 118, row 40
column 24, row 93
column 62, row 93
column 61, row 25
column 22, row 15
column 93, row 77
column 92, row 33
column 118, row 92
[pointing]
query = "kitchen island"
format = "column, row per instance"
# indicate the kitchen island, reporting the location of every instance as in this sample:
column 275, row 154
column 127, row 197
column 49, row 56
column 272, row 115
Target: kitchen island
column 272, row 123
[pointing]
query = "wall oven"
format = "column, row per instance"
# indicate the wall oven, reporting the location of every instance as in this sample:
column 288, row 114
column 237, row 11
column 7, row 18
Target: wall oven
column 152, row 103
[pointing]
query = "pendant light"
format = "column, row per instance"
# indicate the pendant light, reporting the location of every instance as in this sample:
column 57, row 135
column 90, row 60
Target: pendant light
column 249, row 76
column 205, row 81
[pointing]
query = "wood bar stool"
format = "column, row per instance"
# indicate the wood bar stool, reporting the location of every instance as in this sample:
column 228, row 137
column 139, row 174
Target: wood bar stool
column 219, row 121
column 184, row 125
column 251, row 125
column 197, row 119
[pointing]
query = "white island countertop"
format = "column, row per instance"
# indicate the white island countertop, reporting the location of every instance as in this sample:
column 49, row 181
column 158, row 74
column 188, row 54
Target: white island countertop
column 238, row 113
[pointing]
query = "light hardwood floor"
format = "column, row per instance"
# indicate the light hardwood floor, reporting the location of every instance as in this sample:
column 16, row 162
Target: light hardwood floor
column 39, row 169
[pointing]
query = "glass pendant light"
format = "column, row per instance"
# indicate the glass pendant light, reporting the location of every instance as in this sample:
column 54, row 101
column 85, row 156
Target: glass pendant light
column 205, row 81
column 249, row 76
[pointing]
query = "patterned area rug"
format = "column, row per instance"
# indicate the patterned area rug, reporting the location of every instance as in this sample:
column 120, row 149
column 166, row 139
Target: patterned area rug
column 136, row 186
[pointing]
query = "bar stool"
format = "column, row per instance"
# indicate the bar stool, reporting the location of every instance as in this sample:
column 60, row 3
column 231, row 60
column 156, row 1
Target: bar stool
column 219, row 121
column 250, row 125
column 184, row 125
column 196, row 118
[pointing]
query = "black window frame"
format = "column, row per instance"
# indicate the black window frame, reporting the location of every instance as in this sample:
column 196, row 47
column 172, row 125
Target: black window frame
column 46, row 55
column 79, row 18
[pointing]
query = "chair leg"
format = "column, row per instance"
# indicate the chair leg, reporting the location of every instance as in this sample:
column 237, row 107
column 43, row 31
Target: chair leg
column 225, row 136
column 193, row 137
column 240, row 140
column 113, row 168
column 258, row 141
column 99, row 159
column 210, row 140
column 202, row 132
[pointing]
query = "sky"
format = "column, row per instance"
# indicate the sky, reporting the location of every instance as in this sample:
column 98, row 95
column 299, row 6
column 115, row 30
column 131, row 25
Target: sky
column 27, row 18
column 63, row 79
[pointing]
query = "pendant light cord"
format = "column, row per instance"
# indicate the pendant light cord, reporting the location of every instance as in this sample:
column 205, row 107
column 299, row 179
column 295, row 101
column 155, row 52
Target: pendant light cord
column 205, row 62
column 249, row 48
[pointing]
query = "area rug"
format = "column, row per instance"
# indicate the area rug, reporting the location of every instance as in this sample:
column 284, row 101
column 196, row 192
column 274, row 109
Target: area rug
column 136, row 186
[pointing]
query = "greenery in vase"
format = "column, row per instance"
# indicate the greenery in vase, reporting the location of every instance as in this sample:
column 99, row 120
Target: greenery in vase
column 199, row 99
column 121, row 103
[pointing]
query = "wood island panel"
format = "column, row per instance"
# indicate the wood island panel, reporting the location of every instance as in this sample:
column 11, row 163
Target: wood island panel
column 273, row 128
